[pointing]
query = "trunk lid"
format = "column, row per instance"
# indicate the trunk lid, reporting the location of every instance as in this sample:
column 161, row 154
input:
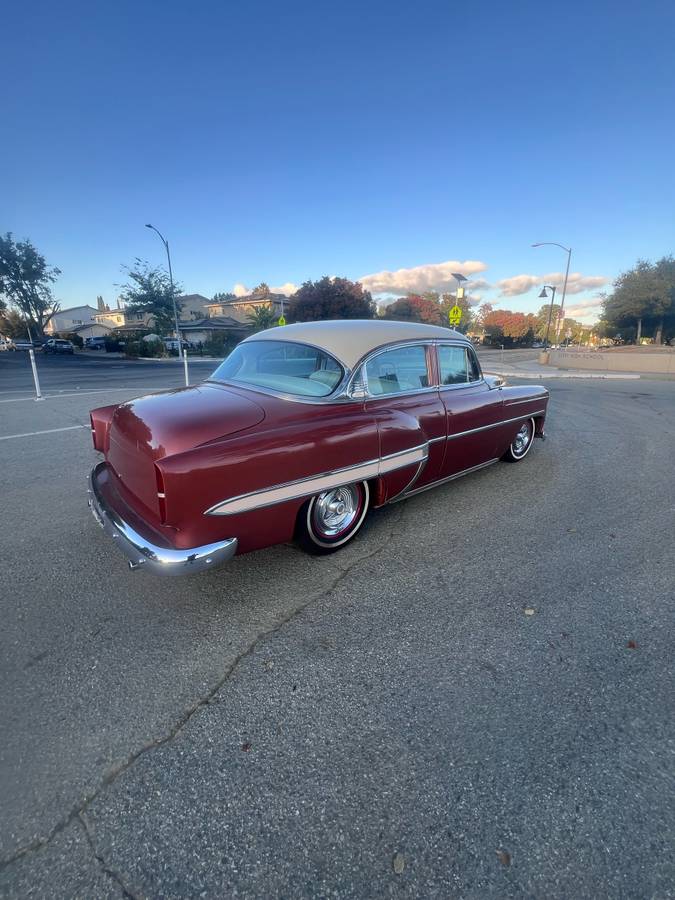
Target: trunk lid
column 150, row 428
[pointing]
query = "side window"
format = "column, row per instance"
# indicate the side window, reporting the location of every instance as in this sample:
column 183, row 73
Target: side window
column 396, row 370
column 458, row 365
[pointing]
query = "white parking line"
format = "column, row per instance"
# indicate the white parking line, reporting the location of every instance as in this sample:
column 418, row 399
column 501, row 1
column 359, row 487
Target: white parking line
column 153, row 390
column 8, row 437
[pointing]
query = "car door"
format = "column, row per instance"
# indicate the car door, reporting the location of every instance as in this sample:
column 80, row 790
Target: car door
column 403, row 399
column 473, row 410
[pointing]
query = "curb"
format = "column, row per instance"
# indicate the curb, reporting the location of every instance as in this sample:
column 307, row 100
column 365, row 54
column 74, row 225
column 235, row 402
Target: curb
column 164, row 359
column 609, row 375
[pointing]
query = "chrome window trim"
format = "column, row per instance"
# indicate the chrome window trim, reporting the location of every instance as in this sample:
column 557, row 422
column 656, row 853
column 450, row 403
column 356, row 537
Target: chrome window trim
column 463, row 385
column 314, row 484
column 467, row 345
column 339, row 392
column 360, row 368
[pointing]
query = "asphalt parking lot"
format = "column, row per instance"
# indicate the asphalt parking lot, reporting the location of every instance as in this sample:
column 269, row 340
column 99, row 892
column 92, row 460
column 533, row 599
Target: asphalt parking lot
column 475, row 699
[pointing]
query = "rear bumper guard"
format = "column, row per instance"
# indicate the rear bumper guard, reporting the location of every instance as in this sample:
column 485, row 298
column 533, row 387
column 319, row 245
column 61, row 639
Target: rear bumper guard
column 140, row 552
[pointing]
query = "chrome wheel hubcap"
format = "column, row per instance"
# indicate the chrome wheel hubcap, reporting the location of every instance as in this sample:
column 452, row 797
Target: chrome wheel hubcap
column 335, row 511
column 522, row 440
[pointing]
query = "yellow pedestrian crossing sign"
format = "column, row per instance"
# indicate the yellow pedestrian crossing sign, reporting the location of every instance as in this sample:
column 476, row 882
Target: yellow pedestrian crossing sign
column 282, row 320
column 455, row 315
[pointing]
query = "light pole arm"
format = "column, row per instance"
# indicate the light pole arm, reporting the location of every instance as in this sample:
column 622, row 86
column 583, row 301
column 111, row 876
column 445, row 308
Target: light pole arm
column 173, row 293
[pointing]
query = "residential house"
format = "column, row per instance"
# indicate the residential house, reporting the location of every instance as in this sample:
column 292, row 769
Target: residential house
column 240, row 307
column 210, row 327
column 193, row 306
column 67, row 320
column 121, row 319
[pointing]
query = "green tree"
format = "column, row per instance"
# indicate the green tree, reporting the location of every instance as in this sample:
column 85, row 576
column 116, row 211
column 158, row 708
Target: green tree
column 331, row 298
column 262, row 317
column 12, row 324
column 541, row 328
column 447, row 301
column 643, row 298
column 222, row 297
column 414, row 308
column 25, row 281
column 149, row 291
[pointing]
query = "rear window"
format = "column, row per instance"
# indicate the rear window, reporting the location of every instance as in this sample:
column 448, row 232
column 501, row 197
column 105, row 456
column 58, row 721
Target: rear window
column 282, row 366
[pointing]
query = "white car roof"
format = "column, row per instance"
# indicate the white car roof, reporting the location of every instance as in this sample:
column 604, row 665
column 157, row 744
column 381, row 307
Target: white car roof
column 349, row 340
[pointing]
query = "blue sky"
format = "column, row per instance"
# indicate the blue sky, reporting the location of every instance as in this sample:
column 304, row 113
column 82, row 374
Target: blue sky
column 285, row 141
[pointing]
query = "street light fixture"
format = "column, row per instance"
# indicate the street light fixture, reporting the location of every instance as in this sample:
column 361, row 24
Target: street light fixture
column 181, row 352
column 568, row 251
column 551, row 287
column 459, row 278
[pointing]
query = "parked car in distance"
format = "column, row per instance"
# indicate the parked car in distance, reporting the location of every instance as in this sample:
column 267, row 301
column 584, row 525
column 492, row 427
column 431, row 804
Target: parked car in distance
column 94, row 343
column 299, row 432
column 172, row 344
column 23, row 344
column 57, row 345
column 6, row 344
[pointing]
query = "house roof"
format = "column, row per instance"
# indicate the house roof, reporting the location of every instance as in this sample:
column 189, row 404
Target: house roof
column 193, row 298
column 212, row 323
column 72, row 309
column 90, row 325
column 348, row 340
column 250, row 298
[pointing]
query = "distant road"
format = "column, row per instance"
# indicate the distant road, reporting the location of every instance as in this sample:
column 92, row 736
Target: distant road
column 83, row 372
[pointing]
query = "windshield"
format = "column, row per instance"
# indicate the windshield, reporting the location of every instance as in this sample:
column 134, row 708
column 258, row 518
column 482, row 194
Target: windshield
column 282, row 366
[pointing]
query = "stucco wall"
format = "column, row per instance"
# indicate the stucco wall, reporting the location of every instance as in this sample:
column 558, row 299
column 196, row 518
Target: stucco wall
column 656, row 361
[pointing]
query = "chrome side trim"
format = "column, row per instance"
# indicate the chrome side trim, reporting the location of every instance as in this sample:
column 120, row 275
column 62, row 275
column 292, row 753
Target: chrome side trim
column 517, row 402
column 141, row 552
column 434, row 484
column 315, row 484
column 519, row 418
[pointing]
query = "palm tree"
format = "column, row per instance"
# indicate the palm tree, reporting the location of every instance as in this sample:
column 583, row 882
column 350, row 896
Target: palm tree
column 262, row 317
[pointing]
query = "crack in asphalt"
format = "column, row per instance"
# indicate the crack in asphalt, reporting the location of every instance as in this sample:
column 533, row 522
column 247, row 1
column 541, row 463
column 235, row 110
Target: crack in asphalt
column 77, row 812
column 105, row 868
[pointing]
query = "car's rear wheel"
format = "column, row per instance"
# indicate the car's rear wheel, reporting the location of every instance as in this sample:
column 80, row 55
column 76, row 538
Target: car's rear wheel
column 331, row 519
column 520, row 445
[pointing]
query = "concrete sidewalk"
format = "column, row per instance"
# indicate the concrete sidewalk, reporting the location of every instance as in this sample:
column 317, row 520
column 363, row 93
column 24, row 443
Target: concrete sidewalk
column 533, row 369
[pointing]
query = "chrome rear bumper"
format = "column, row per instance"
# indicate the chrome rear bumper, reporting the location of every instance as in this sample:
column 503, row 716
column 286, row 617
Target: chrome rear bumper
column 141, row 552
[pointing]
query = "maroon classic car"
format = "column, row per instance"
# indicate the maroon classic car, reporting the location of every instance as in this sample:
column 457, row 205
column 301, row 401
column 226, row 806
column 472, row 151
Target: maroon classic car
column 297, row 434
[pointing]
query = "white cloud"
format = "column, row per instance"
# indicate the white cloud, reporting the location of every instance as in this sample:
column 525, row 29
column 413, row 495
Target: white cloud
column 576, row 283
column 418, row 279
column 588, row 309
column 287, row 288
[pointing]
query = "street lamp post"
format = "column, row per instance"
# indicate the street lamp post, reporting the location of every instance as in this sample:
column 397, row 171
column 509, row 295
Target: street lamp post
column 543, row 294
column 568, row 251
column 181, row 351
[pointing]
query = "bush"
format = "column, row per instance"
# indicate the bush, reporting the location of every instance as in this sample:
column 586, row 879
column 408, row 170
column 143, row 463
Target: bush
column 220, row 346
column 153, row 349
column 133, row 349
column 76, row 340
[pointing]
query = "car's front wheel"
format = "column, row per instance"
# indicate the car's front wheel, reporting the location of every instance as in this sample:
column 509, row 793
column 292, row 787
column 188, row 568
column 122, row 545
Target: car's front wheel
column 331, row 519
column 521, row 443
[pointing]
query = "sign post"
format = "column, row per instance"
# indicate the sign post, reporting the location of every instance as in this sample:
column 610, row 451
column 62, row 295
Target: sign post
column 38, row 395
column 455, row 315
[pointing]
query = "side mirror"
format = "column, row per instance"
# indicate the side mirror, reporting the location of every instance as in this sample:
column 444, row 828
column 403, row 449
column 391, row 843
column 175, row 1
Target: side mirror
column 495, row 382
